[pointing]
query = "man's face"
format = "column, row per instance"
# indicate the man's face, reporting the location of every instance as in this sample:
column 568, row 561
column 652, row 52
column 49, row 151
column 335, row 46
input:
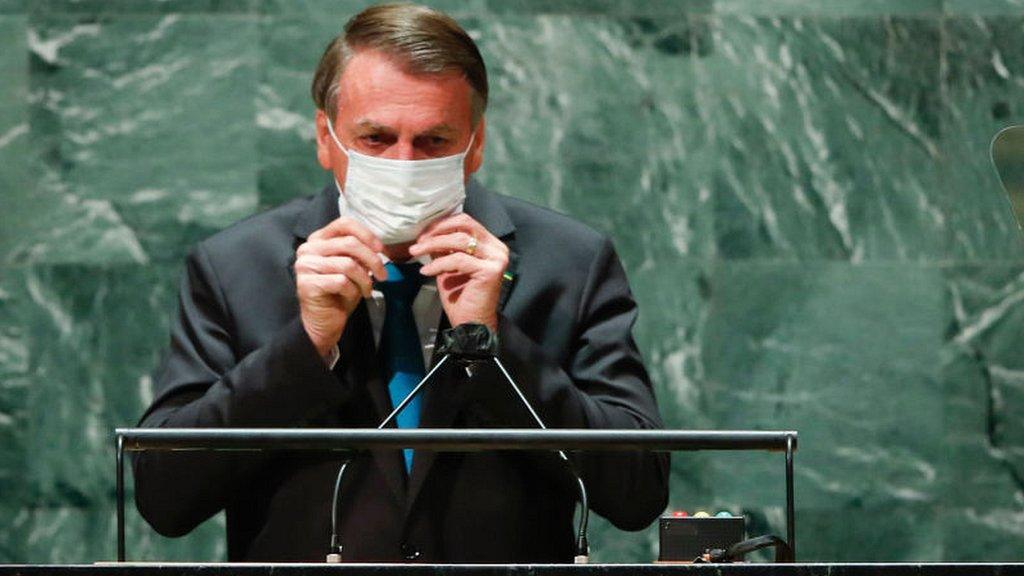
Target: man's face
column 384, row 111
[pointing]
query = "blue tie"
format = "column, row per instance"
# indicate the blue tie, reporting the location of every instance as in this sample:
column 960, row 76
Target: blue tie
column 400, row 343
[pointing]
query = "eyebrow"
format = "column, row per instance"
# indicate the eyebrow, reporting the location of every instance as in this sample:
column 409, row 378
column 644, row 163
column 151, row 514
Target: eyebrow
column 439, row 130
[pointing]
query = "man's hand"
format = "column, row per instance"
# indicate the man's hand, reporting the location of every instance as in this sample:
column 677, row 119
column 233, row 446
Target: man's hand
column 333, row 271
column 468, row 262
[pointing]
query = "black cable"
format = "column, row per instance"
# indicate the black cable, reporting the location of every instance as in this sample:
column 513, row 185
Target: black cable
column 783, row 553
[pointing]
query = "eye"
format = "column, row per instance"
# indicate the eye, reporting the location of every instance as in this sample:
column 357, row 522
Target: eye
column 433, row 145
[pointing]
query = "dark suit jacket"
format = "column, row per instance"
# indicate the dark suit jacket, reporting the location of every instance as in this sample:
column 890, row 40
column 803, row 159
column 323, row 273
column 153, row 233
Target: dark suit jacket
column 239, row 357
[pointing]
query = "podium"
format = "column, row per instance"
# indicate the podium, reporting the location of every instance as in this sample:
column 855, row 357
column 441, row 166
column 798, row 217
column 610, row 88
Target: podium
column 453, row 440
column 901, row 569
column 335, row 440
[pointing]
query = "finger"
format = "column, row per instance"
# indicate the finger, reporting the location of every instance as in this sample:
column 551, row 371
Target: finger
column 452, row 284
column 346, row 226
column 454, row 223
column 350, row 246
column 339, row 284
column 338, row 265
column 446, row 243
column 457, row 262
column 316, row 265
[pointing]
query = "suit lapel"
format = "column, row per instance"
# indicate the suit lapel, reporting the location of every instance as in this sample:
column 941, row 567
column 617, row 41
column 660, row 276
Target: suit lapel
column 321, row 210
column 359, row 358
column 509, row 280
column 444, row 396
column 358, row 361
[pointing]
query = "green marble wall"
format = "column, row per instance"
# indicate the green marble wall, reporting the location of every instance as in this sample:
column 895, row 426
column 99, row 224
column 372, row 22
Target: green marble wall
column 799, row 189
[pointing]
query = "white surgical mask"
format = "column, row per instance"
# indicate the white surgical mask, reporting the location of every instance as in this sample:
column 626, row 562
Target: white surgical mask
column 397, row 199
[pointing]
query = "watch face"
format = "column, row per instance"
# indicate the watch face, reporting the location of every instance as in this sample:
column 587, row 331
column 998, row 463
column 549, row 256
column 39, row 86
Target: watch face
column 1008, row 158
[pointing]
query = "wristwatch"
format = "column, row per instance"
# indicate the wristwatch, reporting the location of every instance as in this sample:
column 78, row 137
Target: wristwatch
column 469, row 341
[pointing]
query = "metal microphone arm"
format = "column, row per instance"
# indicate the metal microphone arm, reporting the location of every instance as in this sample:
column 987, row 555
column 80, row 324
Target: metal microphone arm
column 412, row 395
column 335, row 554
column 476, row 345
column 582, row 545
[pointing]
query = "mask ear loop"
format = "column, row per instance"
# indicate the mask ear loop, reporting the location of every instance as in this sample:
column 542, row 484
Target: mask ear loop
column 330, row 128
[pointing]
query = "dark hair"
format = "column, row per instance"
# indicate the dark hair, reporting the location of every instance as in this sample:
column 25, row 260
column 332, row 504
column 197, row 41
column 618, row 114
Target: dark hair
column 423, row 40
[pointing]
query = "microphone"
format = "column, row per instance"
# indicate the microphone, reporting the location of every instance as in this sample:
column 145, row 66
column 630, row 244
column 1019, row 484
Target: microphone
column 472, row 344
column 335, row 554
column 582, row 555
column 469, row 345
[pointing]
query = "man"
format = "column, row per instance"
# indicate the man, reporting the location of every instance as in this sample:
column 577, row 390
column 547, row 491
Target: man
column 318, row 314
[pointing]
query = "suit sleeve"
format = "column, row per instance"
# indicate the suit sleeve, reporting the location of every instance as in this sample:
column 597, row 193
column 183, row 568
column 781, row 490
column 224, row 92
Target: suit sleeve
column 203, row 385
column 603, row 384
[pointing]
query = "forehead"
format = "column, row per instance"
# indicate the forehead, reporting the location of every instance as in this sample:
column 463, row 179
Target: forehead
column 375, row 88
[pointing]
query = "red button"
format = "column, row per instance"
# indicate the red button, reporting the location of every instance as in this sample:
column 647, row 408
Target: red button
column 680, row 514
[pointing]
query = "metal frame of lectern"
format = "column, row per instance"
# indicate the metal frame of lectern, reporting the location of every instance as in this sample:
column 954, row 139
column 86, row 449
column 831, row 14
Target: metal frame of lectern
column 448, row 440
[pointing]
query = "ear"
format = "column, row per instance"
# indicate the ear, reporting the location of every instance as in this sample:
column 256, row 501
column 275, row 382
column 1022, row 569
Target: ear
column 324, row 143
column 475, row 157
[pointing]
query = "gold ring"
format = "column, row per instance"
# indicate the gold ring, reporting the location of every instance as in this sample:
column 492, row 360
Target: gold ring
column 471, row 247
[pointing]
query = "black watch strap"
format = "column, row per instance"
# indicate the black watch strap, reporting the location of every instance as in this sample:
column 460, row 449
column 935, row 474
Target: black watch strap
column 471, row 341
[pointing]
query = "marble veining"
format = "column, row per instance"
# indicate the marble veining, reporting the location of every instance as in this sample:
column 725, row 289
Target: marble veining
column 800, row 192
